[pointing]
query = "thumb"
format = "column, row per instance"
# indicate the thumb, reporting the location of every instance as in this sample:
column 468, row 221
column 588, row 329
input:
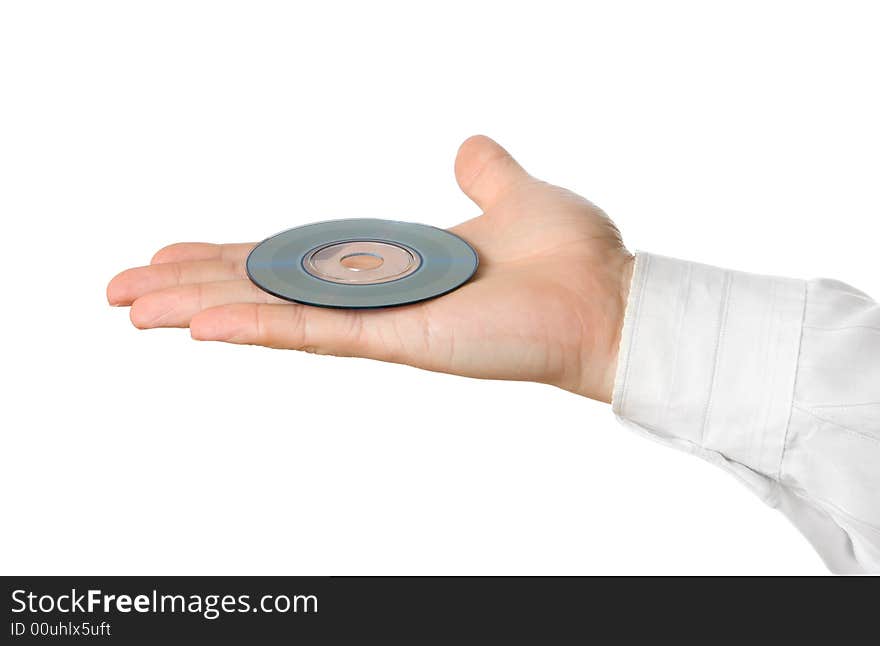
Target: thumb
column 486, row 172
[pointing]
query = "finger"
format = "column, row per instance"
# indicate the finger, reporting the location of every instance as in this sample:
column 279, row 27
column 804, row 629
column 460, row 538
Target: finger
column 374, row 335
column 290, row 326
column 134, row 283
column 190, row 251
column 175, row 306
column 486, row 172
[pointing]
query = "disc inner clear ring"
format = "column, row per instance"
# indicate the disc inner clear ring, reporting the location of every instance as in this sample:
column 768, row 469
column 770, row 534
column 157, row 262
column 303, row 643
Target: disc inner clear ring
column 290, row 265
column 362, row 262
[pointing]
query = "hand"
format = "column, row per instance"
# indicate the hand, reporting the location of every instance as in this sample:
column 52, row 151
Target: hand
column 546, row 304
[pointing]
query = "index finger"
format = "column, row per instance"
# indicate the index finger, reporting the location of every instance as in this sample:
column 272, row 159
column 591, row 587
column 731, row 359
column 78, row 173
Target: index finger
column 189, row 251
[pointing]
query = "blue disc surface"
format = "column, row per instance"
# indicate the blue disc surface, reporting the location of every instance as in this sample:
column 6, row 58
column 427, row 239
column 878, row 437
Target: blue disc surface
column 284, row 265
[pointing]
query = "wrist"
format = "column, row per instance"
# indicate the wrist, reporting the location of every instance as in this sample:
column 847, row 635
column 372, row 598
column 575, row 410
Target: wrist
column 599, row 369
column 623, row 290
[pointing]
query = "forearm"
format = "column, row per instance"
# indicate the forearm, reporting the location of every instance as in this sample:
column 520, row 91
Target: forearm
column 776, row 380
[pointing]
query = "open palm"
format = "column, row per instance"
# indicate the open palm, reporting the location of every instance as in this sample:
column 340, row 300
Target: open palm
column 546, row 304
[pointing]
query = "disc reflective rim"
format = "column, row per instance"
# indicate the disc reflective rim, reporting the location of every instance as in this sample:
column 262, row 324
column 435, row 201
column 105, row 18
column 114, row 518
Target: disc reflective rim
column 276, row 265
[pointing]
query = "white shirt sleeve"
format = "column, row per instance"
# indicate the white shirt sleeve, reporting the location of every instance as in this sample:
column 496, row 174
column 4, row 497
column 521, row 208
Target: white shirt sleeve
column 775, row 380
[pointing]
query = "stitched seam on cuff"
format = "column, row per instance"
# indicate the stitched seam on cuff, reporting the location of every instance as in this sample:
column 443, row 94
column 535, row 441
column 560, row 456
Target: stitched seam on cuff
column 797, row 372
column 719, row 341
column 677, row 344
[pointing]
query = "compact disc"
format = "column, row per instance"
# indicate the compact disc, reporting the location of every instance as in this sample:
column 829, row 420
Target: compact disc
column 361, row 263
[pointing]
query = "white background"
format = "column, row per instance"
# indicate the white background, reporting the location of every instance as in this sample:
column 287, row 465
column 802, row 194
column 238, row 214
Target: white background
column 739, row 134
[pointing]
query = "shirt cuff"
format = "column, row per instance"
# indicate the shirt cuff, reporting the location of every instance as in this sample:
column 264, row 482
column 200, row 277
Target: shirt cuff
column 709, row 356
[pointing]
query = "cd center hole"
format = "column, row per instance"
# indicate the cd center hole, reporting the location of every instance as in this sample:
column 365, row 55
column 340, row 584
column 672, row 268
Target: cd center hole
column 361, row 260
